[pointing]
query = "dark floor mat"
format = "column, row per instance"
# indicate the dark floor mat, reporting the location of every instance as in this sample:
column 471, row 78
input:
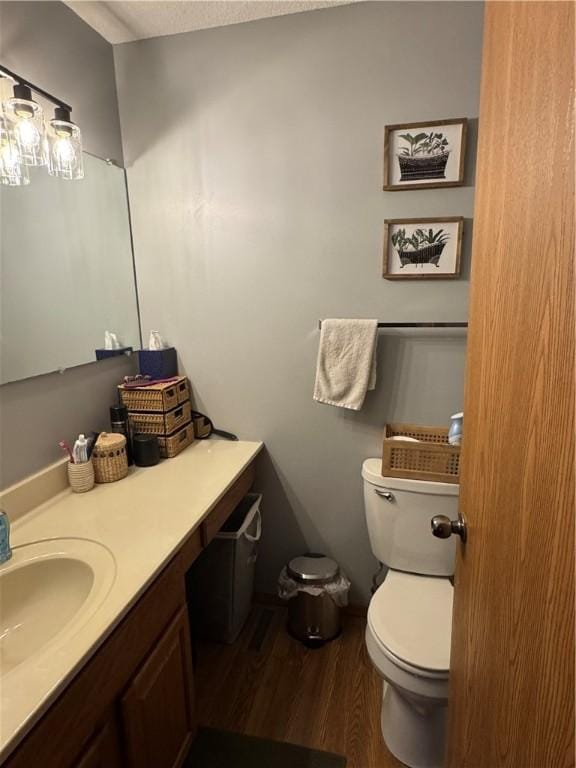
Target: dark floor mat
column 223, row 749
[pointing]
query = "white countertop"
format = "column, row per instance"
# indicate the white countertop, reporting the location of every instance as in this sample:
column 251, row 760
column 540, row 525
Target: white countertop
column 141, row 520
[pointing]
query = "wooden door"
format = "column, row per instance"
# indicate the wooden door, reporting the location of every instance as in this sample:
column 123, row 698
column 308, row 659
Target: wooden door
column 512, row 680
column 158, row 705
column 103, row 751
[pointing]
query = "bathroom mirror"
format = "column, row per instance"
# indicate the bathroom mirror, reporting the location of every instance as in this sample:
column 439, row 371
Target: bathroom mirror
column 66, row 270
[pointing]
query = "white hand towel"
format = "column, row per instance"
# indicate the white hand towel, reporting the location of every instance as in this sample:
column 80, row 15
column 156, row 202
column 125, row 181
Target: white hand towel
column 346, row 367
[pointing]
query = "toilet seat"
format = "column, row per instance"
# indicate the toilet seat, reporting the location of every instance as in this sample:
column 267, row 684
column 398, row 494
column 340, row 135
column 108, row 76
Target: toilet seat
column 410, row 620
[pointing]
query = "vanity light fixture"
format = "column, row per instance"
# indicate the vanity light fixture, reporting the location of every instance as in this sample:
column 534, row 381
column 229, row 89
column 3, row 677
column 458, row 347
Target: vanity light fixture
column 25, row 120
column 13, row 172
column 57, row 144
column 64, row 146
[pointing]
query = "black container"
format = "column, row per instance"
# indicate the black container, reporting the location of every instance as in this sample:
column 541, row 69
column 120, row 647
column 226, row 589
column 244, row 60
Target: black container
column 120, row 424
column 146, row 450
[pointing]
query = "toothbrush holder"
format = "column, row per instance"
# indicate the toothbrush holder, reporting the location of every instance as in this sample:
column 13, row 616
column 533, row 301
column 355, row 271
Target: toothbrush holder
column 81, row 476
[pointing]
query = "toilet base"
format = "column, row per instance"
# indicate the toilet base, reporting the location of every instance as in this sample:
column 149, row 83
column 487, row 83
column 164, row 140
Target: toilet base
column 413, row 732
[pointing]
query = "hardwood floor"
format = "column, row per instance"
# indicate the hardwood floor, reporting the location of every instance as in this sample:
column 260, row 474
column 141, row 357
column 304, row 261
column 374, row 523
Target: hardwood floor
column 269, row 685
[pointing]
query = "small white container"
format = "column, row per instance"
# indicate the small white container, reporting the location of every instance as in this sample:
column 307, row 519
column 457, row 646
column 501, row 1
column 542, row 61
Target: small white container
column 456, row 427
column 81, row 476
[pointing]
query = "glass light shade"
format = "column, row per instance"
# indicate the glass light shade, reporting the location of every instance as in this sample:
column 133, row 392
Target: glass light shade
column 25, row 120
column 6, row 86
column 13, row 172
column 64, row 147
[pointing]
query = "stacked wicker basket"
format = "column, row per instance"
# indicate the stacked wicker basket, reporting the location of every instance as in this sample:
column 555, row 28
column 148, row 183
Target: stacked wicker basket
column 163, row 410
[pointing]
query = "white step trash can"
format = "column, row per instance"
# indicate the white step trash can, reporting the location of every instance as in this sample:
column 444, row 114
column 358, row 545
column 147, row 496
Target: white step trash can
column 222, row 579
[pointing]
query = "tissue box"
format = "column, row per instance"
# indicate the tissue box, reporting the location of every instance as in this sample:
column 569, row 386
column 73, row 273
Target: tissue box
column 158, row 363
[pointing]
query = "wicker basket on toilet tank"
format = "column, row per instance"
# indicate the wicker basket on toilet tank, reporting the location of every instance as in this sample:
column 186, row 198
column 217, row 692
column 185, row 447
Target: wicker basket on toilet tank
column 431, row 458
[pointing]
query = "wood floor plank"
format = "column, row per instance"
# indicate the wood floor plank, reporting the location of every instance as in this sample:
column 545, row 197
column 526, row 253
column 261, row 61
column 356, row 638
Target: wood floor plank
column 327, row 698
column 330, row 719
column 335, row 726
column 283, row 674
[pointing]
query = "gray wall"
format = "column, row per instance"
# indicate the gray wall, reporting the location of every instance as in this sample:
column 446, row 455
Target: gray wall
column 47, row 43
column 254, row 157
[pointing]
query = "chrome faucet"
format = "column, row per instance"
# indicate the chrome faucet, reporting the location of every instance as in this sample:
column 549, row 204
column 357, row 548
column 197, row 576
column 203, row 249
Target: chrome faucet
column 5, row 551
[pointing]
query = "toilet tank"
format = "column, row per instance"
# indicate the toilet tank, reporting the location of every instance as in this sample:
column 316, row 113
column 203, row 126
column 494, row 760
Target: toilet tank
column 398, row 514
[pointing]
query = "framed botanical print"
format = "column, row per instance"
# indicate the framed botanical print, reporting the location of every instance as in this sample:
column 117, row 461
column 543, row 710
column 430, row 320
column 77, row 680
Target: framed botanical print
column 424, row 155
column 422, row 249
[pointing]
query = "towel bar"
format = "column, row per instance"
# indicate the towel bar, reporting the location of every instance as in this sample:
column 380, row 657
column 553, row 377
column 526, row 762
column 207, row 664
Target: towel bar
column 416, row 325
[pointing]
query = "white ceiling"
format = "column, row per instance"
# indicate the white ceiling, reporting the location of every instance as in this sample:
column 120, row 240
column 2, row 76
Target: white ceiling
column 122, row 21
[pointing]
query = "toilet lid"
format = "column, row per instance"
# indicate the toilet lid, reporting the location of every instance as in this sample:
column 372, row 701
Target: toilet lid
column 411, row 616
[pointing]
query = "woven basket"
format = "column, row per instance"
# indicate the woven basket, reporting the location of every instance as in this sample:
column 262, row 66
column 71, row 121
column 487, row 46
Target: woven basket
column 160, row 423
column 183, row 390
column 157, row 397
column 423, row 167
column 202, row 427
column 433, row 458
column 171, row 446
column 109, row 457
column 81, row 476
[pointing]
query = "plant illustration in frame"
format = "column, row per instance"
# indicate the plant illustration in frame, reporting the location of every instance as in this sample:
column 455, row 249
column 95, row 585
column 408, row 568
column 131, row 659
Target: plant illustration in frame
column 419, row 155
column 422, row 248
column 425, row 156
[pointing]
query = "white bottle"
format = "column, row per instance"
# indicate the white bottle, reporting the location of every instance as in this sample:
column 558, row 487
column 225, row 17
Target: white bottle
column 456, row 428
column 80, row 450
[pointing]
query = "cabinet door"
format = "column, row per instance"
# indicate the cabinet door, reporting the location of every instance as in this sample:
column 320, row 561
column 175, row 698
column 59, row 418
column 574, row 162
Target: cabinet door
column 103, row 751
column 158, row 706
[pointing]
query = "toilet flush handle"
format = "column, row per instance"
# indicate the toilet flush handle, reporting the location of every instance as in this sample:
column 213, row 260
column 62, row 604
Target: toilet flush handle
column 384, row 494
column 443, row 527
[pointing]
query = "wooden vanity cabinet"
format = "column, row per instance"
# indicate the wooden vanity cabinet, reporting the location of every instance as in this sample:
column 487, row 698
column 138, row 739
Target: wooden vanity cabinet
column 155, row 726
column 104, row 750
column 132, row 704
column 158, row 707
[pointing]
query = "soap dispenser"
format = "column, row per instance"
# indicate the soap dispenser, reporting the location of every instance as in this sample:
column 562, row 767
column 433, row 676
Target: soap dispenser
column 5, row 551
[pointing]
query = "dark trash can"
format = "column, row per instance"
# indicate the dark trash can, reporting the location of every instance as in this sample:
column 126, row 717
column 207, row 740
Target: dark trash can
column 316, row 590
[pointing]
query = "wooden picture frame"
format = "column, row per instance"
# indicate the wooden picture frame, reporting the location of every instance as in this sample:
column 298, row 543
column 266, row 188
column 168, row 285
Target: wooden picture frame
column 424, row 161
column 422, row 263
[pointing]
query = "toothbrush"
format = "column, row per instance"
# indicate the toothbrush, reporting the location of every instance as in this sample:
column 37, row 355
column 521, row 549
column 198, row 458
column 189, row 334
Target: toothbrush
column 66, row 448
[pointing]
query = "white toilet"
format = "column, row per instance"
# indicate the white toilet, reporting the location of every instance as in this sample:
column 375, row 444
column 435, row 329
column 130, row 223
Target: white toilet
column 410, row 615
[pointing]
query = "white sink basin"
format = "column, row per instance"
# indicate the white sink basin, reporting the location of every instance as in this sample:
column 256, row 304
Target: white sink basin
column 48, row 590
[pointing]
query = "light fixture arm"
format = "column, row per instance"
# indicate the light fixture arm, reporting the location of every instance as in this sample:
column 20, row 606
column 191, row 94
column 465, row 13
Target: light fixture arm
column 40, row 91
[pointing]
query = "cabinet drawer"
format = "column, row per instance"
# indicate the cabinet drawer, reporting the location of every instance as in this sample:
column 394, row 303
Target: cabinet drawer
column 227, row 505
column 190, row 550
